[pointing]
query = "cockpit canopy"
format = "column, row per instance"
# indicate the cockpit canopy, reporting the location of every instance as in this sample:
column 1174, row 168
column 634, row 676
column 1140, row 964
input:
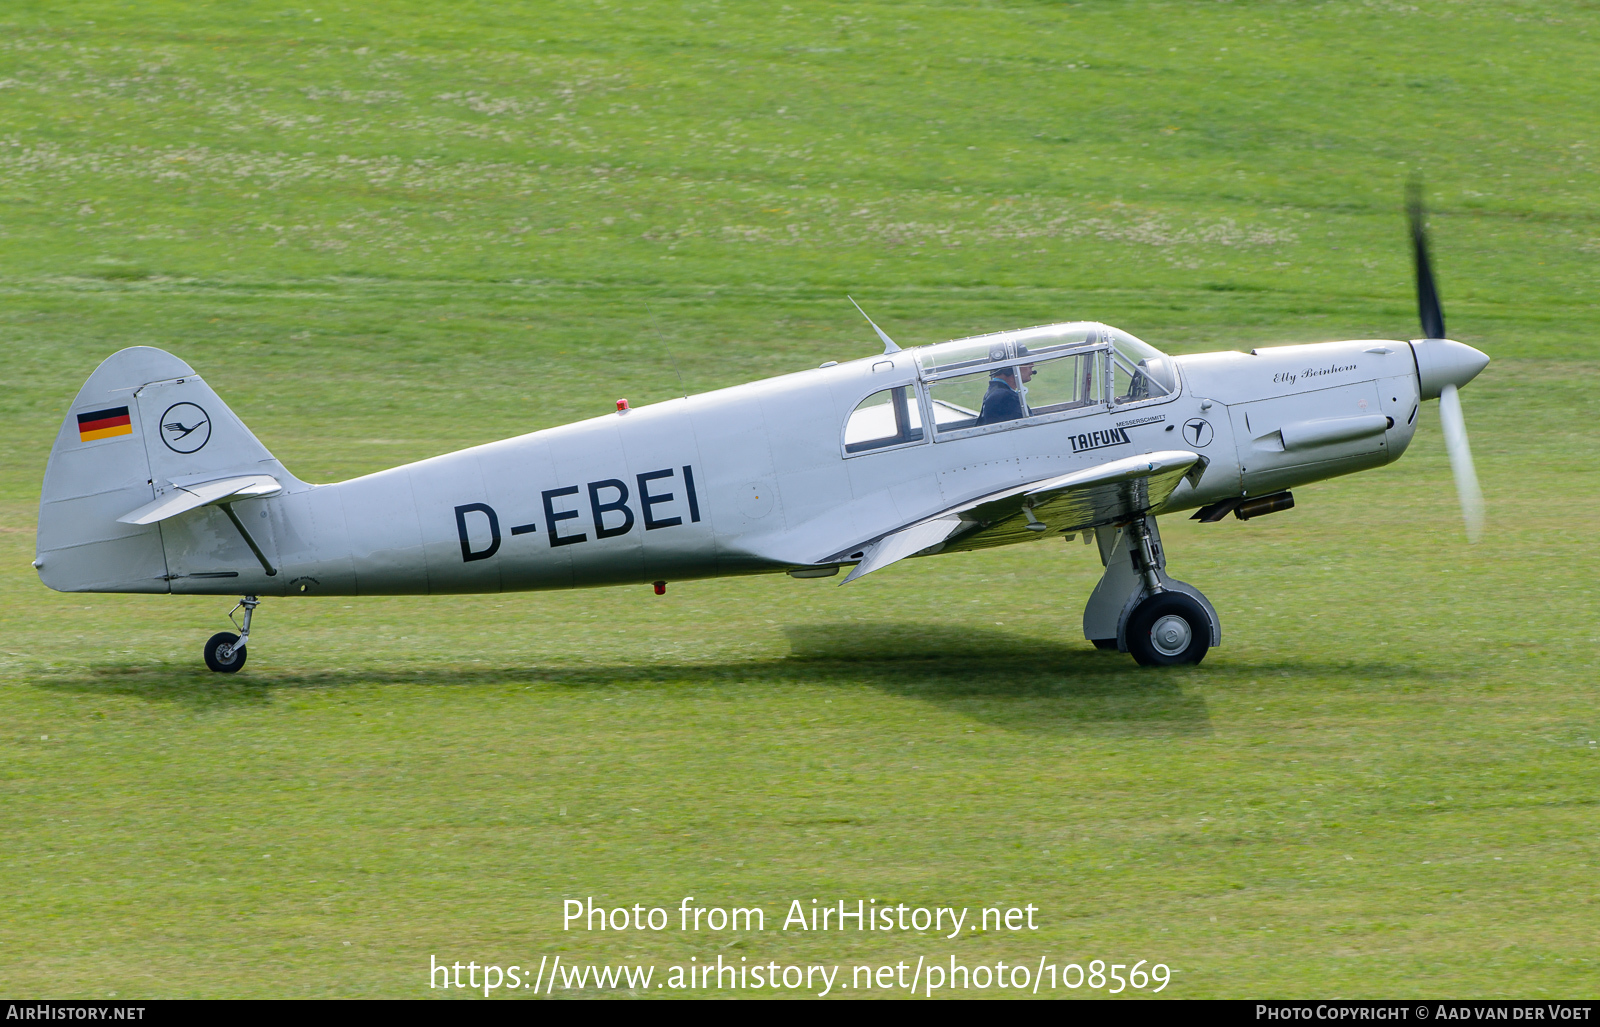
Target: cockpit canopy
column 1027, row 345
column 1008, row 380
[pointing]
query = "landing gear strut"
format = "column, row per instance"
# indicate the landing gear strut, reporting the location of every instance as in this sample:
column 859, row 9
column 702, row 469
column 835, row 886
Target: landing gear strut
column 225, row 651
column 1137, row 609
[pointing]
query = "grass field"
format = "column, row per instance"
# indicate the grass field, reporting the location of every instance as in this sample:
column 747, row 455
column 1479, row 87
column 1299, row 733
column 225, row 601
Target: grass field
column 384, row 231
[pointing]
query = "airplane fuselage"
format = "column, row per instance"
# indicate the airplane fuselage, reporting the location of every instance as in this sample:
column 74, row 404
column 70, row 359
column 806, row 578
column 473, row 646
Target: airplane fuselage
column 756, row 478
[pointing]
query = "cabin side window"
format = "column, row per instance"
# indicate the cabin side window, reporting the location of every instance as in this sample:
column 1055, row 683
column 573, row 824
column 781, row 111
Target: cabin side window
column 1068, row 383
column 1019, row 390
column 887, row 418
column 958, row 402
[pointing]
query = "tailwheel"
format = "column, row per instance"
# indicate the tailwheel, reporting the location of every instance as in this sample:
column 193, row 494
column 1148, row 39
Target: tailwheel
column 222, row 655
column 225, row 651
column 1169, row 629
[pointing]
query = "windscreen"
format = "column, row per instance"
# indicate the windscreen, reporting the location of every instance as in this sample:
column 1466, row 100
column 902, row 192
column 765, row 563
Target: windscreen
column 1143, row 372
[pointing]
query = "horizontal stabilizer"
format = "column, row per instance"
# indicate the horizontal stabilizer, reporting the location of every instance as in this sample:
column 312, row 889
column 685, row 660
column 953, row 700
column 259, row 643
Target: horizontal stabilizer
column 189, row 497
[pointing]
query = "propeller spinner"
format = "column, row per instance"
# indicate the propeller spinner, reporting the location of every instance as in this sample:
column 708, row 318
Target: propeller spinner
column 1443, row 366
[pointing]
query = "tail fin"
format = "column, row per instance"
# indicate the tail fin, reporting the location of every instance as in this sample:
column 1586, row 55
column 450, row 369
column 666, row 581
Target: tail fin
column 143, row 425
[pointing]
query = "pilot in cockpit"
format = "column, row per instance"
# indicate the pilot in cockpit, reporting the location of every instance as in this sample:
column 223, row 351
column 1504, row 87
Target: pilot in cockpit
column 1006, row 399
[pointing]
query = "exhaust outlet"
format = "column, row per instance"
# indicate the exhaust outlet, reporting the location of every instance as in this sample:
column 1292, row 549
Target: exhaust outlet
column 1260, row 506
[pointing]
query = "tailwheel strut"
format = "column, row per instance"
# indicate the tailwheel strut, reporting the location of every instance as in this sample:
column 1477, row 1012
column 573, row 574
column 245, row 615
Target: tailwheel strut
column 225, row 651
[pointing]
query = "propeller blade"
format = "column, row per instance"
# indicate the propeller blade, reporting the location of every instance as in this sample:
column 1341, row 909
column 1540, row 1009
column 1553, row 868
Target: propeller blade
column 1427, row 294
column 1455, row 443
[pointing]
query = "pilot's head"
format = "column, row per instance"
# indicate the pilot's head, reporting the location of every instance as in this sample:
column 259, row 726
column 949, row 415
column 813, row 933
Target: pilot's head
column 1014, row 376
column 1017, row 376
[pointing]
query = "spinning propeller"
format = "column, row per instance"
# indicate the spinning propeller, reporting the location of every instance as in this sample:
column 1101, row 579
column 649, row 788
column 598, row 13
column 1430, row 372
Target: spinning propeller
column 1442, row 367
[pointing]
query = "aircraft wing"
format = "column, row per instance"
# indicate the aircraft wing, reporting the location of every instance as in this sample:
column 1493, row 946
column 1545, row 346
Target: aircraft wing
column 1107, row 494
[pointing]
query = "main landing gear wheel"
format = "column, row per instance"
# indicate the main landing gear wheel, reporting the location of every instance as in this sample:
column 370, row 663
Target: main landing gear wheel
column 221, row 656
column 1169, row 629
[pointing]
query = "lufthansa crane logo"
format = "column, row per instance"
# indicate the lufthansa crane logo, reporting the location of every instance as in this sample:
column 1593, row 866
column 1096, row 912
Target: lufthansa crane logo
column 185, row 428
column 1197, row 431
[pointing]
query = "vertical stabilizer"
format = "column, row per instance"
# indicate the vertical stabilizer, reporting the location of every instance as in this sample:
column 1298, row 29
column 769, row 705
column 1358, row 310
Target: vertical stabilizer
column 142, row 424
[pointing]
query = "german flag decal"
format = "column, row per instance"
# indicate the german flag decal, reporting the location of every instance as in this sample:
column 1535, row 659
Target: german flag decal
column 103, row 424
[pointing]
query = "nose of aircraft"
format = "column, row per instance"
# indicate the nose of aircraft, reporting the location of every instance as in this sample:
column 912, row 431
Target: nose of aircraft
column 1442, row 362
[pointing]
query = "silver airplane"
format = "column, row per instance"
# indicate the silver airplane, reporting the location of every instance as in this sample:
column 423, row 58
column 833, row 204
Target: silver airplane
column 1056, row 432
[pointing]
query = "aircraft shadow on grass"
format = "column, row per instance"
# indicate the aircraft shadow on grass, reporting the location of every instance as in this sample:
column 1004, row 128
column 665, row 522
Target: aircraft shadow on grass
column 1007, row 679
column 1002, row 678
